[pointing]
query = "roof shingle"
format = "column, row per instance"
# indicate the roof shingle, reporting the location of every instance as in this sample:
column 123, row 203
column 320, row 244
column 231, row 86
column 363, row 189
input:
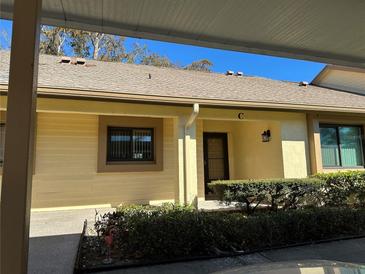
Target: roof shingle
column 134, row 79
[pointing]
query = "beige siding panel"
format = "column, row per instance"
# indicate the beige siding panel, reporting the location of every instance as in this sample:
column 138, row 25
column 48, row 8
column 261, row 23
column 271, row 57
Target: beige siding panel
column 65, row 173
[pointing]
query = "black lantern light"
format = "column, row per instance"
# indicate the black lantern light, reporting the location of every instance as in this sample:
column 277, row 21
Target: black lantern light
column 266, row 136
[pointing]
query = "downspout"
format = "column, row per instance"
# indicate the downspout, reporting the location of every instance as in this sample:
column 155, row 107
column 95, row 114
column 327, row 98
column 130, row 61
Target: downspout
column 192, row 117
column 188, row 124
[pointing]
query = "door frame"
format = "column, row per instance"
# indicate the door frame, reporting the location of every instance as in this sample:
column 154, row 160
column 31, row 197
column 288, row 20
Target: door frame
column 224, row 136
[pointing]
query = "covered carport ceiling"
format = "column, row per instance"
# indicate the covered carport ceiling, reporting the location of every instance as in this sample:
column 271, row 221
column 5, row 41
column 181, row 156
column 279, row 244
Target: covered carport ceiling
column 329, row 31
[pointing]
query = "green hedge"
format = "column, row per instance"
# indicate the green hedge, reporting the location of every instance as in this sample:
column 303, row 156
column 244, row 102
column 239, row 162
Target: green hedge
column 343, row 188
column 274, row 193
column 171, row 232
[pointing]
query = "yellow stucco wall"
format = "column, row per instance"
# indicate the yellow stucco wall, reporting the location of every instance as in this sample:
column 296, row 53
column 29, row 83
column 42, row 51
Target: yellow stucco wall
column 286, row 155
column 66, row 151
column 255, row 159
column 66, row 159
column 296, row 160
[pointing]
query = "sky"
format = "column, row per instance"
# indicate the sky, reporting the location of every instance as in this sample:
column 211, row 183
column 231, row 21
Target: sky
column 250, row 64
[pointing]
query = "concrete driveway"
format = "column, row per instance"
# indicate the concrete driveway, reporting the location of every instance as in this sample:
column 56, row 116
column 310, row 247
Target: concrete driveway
column 54, row 239
column 55, row 236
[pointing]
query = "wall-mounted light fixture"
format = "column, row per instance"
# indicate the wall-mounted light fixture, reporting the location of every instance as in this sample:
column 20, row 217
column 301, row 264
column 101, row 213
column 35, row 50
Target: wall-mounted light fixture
column 266, row 136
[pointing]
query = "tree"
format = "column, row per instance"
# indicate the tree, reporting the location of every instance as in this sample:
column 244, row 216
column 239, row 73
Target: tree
column 200, row 65
column 4, row 40
column 106, row 47
column 141, row 55
column 97, row 46
column 113, row 49
column 52, row 40
column 157, row 60
column 136, row 55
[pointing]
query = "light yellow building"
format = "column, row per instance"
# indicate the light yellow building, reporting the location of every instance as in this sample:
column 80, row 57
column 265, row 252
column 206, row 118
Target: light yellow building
column 111, row 133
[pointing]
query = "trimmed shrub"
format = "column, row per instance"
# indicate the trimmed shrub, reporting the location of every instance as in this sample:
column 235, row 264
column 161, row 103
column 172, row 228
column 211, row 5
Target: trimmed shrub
column 274, row 193
column 161, row 233
column 343, row 188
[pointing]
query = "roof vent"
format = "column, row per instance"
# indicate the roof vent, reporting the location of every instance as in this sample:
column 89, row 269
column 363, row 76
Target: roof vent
column 65, row 60
column 303, row 83
column 80, row 61
column 229, row 72
column 239, row 73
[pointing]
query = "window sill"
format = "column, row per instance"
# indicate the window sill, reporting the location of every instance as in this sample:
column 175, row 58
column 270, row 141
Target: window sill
column 335, row 169
column 130, row 167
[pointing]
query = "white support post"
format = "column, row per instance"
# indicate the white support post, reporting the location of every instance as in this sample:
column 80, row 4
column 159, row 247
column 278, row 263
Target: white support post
column 19, row 138
column 190, row 162
column 191, row 178
column 180, row 124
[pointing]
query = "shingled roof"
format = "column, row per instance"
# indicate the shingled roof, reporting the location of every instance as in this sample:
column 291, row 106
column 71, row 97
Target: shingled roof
column 128, row 79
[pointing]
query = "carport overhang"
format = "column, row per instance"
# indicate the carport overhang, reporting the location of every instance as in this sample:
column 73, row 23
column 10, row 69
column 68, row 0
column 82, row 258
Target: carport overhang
column 325, row 31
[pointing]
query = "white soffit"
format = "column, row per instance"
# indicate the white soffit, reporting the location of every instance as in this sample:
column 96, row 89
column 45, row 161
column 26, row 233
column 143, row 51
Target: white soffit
column 329, row 31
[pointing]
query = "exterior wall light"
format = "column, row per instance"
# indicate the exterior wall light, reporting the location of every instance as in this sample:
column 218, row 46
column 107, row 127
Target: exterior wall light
column 266, row 136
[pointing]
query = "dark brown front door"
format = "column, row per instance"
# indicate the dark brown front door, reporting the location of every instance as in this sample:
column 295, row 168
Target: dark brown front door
column 215, row 158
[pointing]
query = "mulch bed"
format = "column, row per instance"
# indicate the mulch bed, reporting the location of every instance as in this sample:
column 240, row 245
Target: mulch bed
column 91, row 254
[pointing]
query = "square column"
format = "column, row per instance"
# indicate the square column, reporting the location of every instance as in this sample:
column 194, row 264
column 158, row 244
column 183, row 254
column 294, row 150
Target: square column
column 18, row 157
column 191, row 178
column 187, row 162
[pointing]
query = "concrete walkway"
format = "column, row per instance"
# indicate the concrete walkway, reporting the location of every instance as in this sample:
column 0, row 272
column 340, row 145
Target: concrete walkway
column 55, row 236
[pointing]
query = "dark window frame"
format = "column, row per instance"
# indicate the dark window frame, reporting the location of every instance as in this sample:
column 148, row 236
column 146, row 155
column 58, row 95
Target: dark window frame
column 130, row 130
column 336, row 127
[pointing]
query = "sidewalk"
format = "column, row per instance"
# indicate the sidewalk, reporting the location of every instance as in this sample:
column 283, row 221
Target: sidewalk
column 352, row 251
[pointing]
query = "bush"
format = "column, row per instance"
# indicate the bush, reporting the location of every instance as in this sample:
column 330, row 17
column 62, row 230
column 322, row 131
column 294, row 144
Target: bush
column 343, row 188
column 275, row 193
column 171, row 232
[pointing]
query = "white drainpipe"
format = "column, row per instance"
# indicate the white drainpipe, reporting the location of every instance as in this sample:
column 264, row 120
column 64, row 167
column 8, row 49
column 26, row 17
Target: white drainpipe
column 188, row 124
column 192, row 117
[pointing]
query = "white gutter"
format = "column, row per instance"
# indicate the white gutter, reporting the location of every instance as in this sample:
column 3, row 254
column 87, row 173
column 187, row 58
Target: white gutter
column 188, row 124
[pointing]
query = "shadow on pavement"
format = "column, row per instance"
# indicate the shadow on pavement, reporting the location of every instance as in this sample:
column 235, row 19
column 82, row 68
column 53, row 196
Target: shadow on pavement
column 52, row 254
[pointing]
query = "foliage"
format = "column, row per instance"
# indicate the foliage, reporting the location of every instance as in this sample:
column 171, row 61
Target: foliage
column 200, row 65
column 136, row 55
column 101, row 46
column 343, row 188
column 274, row 193
column 156, row 60
column 5, row 39
column 97, row 46
column 175, row 231
column 52, row 40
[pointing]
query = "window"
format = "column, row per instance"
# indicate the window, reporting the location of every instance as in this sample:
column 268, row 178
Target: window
column 130, row 144
column 341, row 146
column 2, row 143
